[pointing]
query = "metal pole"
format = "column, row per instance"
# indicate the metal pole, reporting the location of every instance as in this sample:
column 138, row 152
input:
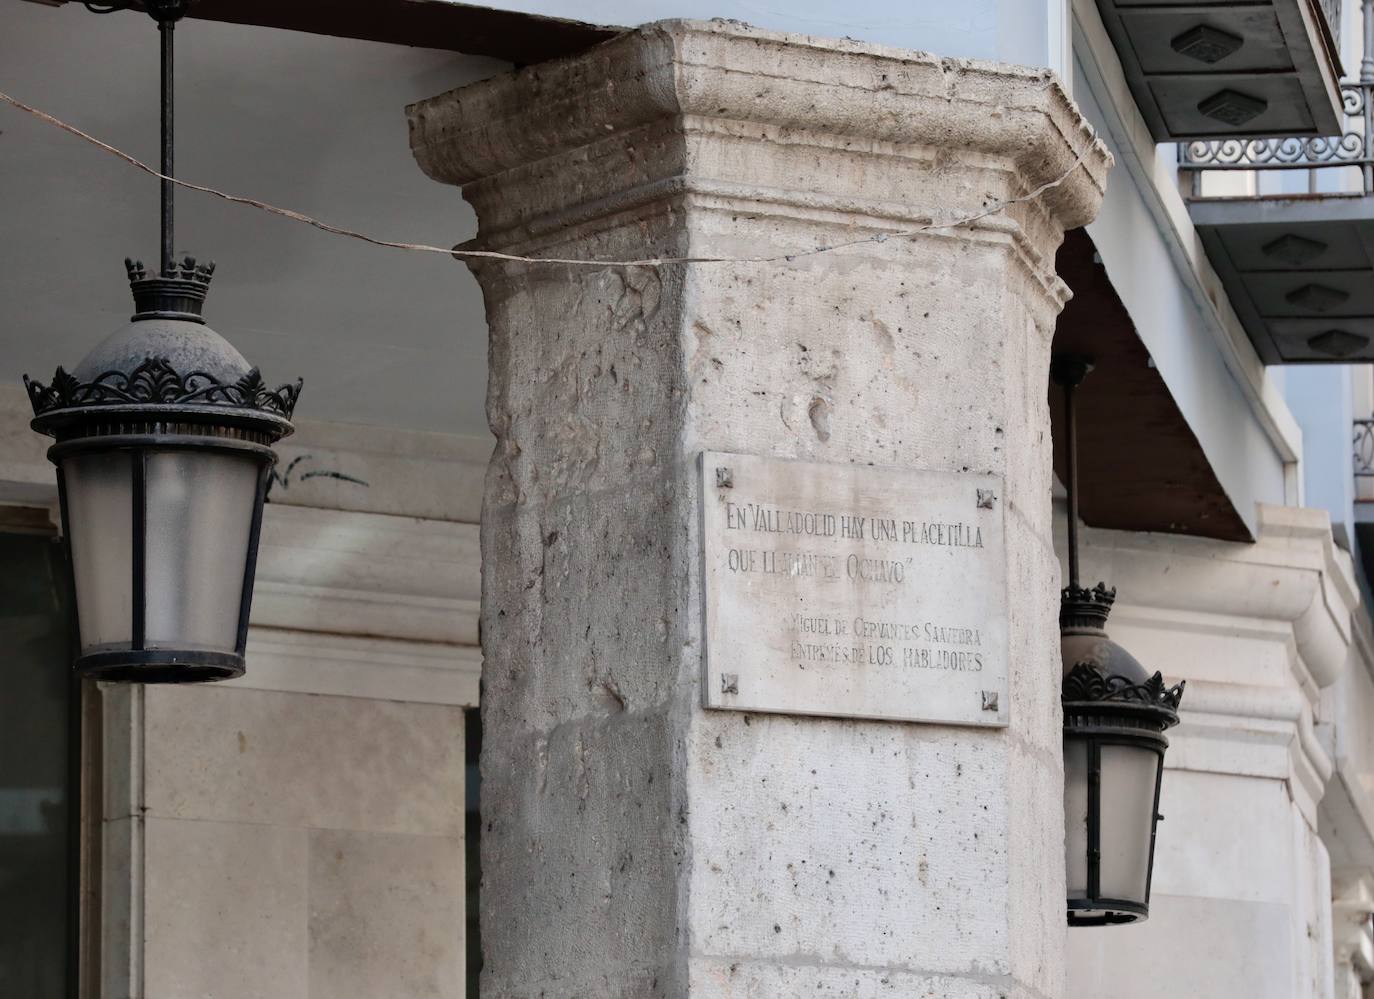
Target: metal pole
column 1367, row 63
column 1067, row 371
column 1072, row 441
column 1367, row 92
column 165, row 28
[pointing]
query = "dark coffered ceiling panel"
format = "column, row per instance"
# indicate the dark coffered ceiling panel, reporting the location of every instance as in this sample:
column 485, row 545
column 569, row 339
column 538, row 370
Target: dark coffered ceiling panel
column 1298, row 271
column 1228, row 68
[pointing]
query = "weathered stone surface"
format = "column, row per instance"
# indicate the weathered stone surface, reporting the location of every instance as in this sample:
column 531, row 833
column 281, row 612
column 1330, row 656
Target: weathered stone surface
column 642, row 846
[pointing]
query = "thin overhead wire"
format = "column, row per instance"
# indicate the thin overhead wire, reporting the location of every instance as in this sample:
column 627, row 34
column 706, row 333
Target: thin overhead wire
column 882, row 237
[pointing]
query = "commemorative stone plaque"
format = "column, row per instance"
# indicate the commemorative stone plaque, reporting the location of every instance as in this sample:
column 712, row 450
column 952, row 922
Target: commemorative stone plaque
column 854, row 591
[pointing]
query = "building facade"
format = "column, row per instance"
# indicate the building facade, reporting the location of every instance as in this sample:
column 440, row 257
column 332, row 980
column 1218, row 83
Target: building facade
column 484, row 744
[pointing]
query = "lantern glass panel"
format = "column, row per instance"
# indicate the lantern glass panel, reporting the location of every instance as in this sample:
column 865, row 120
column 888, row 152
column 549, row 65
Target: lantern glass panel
column 199, row 517
column 1129, row 775
column 1076, row 816
column 98, row 487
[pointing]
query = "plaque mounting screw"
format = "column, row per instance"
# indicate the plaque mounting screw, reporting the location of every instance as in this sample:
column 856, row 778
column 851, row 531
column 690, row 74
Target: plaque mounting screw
column 989, row 700
column 729, row 683
column 986, row 498
column 725, row 478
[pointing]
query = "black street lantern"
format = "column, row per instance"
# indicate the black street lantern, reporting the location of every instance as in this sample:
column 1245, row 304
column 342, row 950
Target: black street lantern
column 1115, row 714
column 163, row 454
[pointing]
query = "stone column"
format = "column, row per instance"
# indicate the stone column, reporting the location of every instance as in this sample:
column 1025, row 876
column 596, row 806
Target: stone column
column 634, row 843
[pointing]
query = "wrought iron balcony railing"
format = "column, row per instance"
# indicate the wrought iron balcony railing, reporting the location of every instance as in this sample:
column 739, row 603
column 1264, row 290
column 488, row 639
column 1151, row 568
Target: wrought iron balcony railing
column 1364, row 449
column 1354, row 148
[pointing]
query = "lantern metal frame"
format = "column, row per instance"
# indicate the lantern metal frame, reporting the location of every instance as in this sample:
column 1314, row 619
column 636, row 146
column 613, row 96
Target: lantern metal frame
column 1102, row 709
column 177, row 388
column 144, row 406
column 1108, row 698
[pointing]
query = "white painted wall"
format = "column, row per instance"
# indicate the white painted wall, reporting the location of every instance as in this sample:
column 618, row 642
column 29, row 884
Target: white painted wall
column 306, row 122
column 1322, row 399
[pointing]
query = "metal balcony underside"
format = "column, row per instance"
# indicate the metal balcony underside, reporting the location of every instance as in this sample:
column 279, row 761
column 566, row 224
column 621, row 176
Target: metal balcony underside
column 1298, row 271
column 1208, row 69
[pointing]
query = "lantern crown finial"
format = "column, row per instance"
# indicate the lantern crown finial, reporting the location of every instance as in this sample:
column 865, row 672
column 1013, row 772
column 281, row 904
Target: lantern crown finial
column 177, row 293
column 1082, row 607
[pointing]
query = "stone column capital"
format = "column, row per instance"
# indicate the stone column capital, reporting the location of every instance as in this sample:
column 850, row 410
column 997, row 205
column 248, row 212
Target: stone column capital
column 720, row 74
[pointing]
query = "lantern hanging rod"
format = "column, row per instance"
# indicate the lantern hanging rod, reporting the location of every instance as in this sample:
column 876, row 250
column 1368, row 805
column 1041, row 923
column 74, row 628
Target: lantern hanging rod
column 166, row 13
column 166, row 28
column 1068, row 371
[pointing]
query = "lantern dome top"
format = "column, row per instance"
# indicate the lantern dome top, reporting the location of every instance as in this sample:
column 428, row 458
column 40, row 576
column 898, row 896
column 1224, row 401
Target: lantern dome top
column 1082, row 625
column 1098, row 670
column 186, row 347
column 166, row 364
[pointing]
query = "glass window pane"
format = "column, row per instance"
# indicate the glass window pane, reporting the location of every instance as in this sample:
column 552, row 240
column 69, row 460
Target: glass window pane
column 34, row 860
column 199, row 514
column 1076, row 816
column 1128, row 802
column 100, row 518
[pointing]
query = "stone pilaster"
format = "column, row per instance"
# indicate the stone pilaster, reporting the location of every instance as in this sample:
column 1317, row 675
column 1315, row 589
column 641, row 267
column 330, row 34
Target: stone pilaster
column 634, row 843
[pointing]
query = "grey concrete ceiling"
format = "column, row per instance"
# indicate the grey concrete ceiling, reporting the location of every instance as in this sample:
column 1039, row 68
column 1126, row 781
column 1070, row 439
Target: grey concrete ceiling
column 1225, row 68
column 1299, row 272
column 303, row 121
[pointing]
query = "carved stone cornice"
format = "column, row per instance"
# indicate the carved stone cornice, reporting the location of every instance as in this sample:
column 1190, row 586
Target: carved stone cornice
column 666, row 81
column 1293, row 574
